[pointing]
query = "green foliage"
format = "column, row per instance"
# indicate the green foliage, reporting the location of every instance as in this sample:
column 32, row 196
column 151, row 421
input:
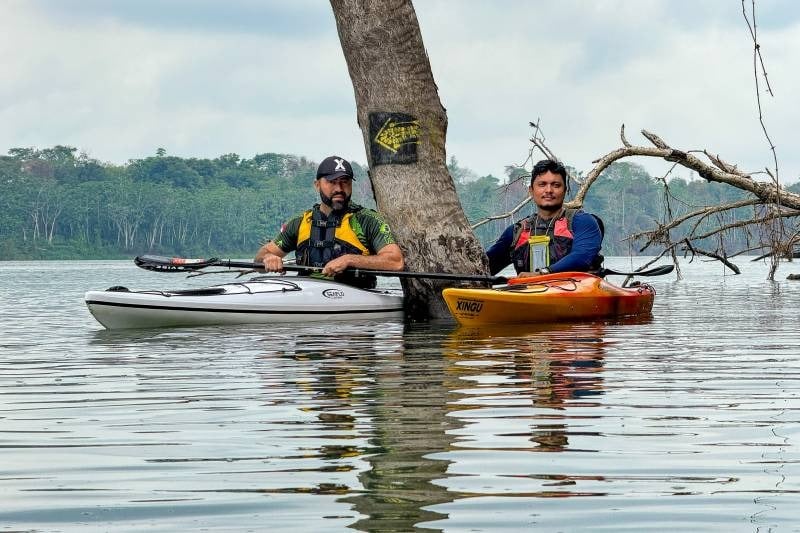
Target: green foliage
column 58, row 204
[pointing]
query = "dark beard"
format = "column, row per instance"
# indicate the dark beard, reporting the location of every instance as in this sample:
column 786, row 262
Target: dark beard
column 336, row 205
column 550, row 211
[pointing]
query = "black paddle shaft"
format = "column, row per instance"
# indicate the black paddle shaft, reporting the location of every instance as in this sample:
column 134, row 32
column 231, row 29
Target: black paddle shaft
column 178, row 264
column 159, row 263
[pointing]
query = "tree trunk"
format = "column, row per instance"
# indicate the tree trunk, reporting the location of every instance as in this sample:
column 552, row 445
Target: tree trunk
column 404, row 127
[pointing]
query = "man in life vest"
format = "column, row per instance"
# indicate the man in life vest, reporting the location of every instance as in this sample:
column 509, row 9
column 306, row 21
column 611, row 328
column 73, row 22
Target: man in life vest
column 335, row 234
column 553, row 238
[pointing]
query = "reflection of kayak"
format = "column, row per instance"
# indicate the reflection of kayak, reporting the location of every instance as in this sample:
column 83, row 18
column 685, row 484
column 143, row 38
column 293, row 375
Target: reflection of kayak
column 259, row 300
column 566, row 296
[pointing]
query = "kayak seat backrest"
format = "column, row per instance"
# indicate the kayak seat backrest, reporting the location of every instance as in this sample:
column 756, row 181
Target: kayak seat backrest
column 597, row 264
column 602, row 226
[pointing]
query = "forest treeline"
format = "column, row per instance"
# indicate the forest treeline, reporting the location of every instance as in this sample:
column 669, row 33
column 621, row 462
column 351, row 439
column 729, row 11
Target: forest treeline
column 57, row 203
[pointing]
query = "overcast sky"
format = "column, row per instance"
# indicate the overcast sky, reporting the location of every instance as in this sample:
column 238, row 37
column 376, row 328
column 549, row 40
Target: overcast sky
column 201, row 78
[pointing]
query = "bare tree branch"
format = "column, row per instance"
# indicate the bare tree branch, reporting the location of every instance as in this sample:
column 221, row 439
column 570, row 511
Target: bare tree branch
column 776, row 225
column 715, row 169
column 701, row 214
column 732, row 225
column 622, row 136
column 766, row 192
column 516, row 208
column 720, row 164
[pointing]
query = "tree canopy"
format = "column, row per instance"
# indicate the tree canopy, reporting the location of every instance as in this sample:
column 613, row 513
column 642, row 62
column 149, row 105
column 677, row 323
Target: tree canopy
column 56, row 203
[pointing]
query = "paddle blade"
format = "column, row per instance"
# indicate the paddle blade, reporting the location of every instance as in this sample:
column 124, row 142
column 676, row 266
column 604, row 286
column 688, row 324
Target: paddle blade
column 656, row 271
column 159, row 263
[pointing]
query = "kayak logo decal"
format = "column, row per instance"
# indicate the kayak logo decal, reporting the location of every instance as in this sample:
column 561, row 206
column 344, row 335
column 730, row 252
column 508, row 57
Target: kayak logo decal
column 469, row 306
column 334, row 294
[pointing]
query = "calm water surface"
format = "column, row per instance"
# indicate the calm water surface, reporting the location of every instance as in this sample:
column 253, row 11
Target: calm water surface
column 688, row 420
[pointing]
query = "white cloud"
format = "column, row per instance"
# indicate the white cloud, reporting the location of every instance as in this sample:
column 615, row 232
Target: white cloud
column 584, row 70
column 204, row 78
column 121, row 91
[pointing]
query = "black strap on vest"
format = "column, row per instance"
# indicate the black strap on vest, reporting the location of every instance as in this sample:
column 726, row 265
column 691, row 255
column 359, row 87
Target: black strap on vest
column 323, row 236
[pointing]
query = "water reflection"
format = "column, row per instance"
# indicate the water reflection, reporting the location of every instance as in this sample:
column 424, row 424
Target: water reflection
column 545, row 367
column 496, row 390
column 686, row 420
column 390, row 390
column 389, row 410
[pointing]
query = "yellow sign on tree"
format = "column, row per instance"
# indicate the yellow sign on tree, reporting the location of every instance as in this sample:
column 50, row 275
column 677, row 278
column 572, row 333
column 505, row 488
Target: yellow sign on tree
column 393, row 138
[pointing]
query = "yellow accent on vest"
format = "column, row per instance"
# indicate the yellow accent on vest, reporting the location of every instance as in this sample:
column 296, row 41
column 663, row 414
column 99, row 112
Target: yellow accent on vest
column 343, row 233
column 304, row 233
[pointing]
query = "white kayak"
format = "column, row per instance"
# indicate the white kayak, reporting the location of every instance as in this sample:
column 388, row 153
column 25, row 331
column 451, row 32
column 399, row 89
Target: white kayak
column 260, row 300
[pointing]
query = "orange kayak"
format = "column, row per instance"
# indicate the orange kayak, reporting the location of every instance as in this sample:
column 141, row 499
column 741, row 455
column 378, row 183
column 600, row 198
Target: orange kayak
column 565, row 296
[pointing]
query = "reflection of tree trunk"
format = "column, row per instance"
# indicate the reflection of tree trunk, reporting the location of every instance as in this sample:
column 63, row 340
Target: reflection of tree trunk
column 409, row 418
column 404, row 127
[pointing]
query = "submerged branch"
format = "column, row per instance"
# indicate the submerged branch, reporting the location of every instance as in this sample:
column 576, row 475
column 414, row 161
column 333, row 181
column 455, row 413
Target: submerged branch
column 713, row 255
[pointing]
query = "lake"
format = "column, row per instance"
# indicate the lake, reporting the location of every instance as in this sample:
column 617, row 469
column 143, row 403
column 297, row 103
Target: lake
column 687, row 420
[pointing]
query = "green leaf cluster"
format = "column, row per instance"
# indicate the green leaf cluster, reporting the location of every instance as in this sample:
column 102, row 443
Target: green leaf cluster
column 58, row 204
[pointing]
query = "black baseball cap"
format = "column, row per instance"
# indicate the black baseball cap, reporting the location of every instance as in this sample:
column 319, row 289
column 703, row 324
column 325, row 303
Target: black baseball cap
column 334, row 167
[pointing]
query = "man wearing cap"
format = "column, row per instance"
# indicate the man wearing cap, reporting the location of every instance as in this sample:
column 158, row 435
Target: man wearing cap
column 335, row 234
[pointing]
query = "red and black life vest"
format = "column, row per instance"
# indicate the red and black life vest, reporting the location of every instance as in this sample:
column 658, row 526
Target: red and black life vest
column 560, row 232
